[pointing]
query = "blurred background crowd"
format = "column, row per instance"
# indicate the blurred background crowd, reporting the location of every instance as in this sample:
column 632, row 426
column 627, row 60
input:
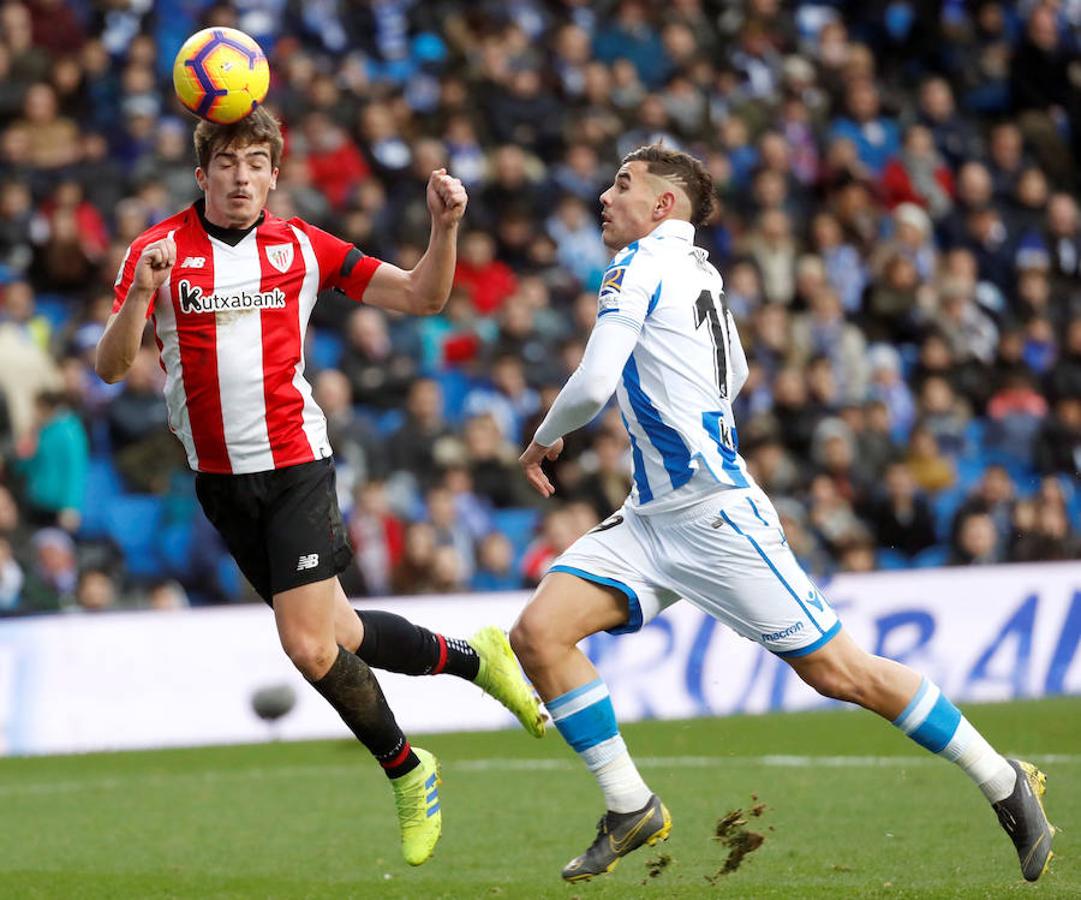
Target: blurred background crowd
column 898, row 231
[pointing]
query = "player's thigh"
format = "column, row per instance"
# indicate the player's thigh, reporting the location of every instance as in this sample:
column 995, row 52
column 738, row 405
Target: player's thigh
column 734, row 563
column 565, row 609
column 305, row 534
column 234, row 505
column 613, row 585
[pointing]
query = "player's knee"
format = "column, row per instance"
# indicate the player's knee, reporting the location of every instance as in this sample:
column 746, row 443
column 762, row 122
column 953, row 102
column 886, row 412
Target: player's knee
column 530, row 639
column 313, row 657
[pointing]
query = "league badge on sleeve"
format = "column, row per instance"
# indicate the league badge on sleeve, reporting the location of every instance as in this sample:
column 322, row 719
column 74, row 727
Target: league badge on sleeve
column 611, row 287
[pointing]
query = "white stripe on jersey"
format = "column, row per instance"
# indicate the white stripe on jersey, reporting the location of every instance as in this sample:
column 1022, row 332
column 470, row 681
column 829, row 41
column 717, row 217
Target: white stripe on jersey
column 240, row 353
column 176, row 399
column 315, row 423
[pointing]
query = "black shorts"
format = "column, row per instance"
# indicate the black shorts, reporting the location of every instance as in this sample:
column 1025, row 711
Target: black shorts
column 283, row 527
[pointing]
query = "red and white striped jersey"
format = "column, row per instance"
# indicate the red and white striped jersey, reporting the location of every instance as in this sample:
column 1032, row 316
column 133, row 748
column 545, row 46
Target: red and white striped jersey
column 230, row 324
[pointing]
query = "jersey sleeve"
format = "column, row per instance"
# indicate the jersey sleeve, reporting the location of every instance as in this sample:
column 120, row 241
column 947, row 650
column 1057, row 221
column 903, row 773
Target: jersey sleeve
column 126, row 276
column 629, row 289
column 341, row 265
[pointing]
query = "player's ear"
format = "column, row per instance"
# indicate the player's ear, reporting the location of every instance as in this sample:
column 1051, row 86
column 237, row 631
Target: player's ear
column 274, row 178
column 200, row 178
column 664, row 204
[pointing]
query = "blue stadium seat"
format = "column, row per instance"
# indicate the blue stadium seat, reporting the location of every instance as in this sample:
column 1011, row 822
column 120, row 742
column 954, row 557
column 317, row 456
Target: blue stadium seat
column 174, row 548
column 518, row 525
column 55, row 308
column 325, row 349
column 133, row 522
column 455, row 385
column 890, row 560
column 103, row 486
column 932, row 557
column 389, row 421
column 945, row 505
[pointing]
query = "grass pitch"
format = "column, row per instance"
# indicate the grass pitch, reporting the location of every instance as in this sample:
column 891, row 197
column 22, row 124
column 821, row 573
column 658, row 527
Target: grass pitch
column 851, row 809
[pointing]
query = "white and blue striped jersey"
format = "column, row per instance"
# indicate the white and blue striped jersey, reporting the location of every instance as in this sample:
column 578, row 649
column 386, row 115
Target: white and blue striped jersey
column 667, row 345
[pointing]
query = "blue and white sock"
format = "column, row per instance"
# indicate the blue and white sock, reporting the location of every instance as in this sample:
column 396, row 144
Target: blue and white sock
column 937, row 725
column 587, row 722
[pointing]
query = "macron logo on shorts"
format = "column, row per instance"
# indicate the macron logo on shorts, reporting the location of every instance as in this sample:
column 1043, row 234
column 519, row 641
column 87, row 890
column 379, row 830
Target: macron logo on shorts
column 308, row 562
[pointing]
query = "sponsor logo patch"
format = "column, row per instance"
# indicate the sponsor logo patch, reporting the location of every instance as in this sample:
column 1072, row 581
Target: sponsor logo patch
column 611, row 286
column 193, row 262
column 308, row 562
column 193, row 300
column 788, row 632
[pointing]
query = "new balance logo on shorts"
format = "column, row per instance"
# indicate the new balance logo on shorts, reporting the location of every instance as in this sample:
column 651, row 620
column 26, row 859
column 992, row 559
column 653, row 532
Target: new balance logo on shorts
column 308, row 562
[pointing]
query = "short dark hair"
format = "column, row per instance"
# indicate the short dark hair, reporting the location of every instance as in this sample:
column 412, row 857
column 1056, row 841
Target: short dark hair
column 258, row 127
column 692, row 176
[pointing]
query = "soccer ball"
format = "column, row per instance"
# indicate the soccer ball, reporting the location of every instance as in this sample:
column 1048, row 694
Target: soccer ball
column 221, row 75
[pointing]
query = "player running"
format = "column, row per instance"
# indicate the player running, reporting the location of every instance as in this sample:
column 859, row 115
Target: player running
column 696, row 526
column 230, row 288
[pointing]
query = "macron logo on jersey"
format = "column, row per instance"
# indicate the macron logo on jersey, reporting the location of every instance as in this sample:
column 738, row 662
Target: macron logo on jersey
column 193, row 300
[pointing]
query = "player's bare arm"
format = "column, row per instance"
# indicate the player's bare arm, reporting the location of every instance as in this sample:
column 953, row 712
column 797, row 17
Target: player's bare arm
column 424, row 289
column 124, row 330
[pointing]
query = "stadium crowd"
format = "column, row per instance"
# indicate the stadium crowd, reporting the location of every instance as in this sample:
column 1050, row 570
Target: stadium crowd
column 897, row 227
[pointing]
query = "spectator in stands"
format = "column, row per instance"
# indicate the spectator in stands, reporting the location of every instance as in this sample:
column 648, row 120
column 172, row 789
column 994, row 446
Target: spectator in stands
column 1048, row 537
column 378, row 539
column 899, row 515
column 488, row 280
column 52, row 461
column 994, row 496
column 943, row 414
column 919, row 175
column 1057, row 444
column 976, row 542
column 508, row 399
column 413, row 572
column 146, row 452
column 11, row 578
column 558, row 532
column 491, row 461
column 443, row 517
column 53, row 574
column 379, row 374
column 877, row 137
column 95, row 591
column 358, row 450
column 932, row 470
column 1063, row 239
column 495, row 565
column 413, row 448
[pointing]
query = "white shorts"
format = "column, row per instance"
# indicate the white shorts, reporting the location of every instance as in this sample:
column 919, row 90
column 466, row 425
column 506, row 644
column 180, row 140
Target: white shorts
column 727, row 555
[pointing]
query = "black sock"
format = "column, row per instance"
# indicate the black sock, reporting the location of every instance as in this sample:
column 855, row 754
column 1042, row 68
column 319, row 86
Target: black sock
column 397, row 645
column 351, row 688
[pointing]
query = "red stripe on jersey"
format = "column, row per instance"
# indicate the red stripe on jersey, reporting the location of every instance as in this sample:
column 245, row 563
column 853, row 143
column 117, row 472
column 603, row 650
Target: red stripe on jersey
column 283, row 346
column 197, row 334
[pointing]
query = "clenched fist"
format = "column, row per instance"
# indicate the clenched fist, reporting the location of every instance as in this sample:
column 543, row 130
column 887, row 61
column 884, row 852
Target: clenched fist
column 155, row 264
column 446, row 198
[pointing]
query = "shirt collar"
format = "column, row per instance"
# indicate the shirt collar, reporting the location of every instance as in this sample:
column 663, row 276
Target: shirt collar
column 674, row 228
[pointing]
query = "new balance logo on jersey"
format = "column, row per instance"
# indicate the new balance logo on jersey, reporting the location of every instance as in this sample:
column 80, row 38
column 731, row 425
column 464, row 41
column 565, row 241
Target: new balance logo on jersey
column 308, row 562
column 193, row 262
column 193, row 300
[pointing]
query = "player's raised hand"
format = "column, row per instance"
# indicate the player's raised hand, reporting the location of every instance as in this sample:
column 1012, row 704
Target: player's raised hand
column 530, row 461
column 155, row 264
column 447, row 198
